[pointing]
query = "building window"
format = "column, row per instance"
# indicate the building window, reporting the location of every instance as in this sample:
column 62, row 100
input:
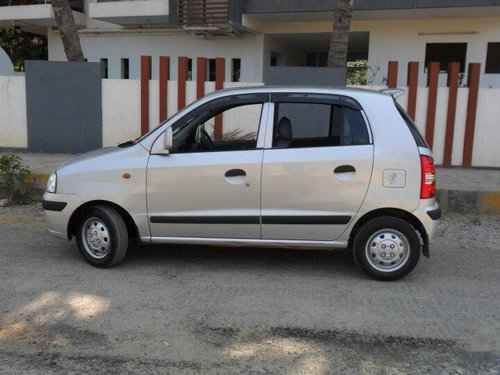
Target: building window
column 125, row 69
column 104, row 68
column 235, row 69
column 317, row 59
column 493, row 58
column 445, row 53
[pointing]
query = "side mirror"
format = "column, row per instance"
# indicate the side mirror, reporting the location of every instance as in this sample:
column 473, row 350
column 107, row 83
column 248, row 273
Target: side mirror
column 168, row 141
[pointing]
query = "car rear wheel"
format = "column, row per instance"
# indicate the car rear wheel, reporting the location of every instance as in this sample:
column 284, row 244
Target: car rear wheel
column 387, row 248
column 102, row 236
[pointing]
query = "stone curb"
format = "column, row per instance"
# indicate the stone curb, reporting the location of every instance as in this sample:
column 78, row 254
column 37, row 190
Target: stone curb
column 36, row 179
column 459, row 201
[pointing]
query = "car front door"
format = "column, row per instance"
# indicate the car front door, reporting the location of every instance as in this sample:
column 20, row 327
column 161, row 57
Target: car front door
column 209, row 185
column 317, row 167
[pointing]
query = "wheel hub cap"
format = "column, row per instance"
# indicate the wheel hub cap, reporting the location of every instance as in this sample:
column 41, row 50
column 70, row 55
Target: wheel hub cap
column 96, row 239
column 387, row 250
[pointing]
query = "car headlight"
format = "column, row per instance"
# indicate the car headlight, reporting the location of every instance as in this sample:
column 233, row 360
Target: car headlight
column 52, row 183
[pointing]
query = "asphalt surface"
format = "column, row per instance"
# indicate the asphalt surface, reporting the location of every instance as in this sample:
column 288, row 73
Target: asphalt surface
column 201, row 310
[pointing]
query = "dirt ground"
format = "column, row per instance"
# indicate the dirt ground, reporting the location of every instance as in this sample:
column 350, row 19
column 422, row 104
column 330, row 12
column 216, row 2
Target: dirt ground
column 179, row 309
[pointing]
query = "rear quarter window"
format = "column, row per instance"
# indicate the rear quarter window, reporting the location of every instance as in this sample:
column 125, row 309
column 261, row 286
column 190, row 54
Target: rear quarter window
column 419, row 140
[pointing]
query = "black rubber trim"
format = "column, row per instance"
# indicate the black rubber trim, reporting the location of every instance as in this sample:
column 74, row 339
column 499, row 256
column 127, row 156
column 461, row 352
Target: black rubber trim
column 306, row 220
column 301, row 220
column 425, row 246
column 205, row 219
column 435, row 214
column 331, row 99
column 53, row 206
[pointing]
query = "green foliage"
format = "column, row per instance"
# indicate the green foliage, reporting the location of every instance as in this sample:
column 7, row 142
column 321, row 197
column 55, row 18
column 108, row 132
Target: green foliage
column 12, row 169
column 21, row 46
column 359, row 73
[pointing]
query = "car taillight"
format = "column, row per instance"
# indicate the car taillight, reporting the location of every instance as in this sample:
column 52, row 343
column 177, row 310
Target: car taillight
column 428, row 184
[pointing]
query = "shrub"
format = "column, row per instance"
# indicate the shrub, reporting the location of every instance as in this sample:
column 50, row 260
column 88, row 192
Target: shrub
column 12, row 169
column 359, row 73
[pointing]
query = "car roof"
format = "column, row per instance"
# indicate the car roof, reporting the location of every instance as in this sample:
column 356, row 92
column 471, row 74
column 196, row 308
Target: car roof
column 332, row 90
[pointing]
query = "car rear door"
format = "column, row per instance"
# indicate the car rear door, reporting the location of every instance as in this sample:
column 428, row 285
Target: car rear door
column 313, row 185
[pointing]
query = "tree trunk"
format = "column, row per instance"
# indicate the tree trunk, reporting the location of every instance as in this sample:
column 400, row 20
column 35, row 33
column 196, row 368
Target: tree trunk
column 337, row 55
column 67, row 30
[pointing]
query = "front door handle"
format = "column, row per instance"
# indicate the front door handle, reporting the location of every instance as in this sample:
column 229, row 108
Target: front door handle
column 235, row 173
column 344, row 169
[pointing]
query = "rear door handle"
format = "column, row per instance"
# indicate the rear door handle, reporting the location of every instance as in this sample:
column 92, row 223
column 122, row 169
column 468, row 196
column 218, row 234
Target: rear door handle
column 344, row 169
column 235, row 173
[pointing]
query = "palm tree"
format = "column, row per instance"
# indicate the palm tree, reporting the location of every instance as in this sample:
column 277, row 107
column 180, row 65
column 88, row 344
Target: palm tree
column 337, row 55
column 67, row 29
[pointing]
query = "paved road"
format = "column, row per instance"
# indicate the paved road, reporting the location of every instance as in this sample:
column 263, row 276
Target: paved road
column 198, row 310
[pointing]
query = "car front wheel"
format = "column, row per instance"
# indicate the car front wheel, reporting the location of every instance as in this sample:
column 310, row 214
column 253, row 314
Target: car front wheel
column 387, row 248
column 102, row 236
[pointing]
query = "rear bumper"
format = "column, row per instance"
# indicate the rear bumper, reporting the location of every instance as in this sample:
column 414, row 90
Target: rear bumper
column 58, row 210
column 429, row 213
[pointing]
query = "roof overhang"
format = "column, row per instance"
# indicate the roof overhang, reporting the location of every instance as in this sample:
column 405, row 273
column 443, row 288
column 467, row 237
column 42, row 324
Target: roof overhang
column 39, row 15
column 381, row 14
column 128, row 13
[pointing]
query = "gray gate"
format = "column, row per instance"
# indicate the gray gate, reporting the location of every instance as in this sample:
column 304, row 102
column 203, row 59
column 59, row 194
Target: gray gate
column 64, row 106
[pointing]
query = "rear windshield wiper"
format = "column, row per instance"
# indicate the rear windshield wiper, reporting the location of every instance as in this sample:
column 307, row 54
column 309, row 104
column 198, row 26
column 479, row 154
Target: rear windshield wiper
column 126, row 144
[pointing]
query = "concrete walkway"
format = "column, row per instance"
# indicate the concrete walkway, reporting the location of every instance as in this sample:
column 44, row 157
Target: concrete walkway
column 459, row 190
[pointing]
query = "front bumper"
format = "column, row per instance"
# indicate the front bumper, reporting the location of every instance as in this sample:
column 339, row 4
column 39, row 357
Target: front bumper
column 58, row 210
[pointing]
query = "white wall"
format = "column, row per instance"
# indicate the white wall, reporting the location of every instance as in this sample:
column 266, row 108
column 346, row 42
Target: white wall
column 114, row 46
column 121, row 116
column 486, row 135
column 6, row 67
column 121, row 110
column 122, row 106
column 13, row 124
column 399, row 40
column 486, row 152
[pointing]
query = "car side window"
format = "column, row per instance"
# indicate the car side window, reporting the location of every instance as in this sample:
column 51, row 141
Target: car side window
column 229, row 127
column 299, row 125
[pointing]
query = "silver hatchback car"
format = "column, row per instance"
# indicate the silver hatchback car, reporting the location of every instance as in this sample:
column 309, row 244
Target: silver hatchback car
column 272, row 167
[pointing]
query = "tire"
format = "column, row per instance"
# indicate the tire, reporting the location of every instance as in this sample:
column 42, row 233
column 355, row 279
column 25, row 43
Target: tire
column 387, row 248
column 106, row 245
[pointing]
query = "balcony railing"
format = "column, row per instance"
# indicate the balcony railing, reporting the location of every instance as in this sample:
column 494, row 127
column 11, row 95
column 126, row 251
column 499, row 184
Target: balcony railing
column 75, row 4
column 203, row 13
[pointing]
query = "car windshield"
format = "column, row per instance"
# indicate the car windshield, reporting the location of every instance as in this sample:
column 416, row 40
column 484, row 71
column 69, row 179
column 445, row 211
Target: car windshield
column 139, row 139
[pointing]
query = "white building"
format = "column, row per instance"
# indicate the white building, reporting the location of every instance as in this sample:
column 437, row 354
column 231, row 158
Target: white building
column 254, row 34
